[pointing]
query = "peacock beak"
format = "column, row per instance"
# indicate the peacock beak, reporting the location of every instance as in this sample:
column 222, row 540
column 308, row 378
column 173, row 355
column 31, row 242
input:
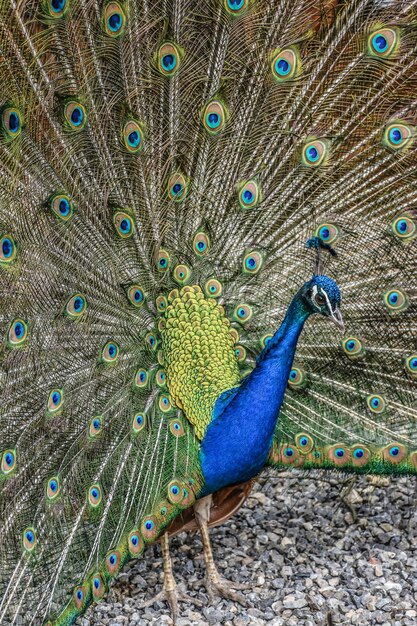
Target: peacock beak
column 337, row 318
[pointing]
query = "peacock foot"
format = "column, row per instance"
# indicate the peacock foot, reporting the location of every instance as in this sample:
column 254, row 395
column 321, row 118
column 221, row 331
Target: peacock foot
column 172, row 596
column 170, row 592
column 217, row 586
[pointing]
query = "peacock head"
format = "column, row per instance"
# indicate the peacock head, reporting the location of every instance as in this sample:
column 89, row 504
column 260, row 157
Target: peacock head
column 322, row 295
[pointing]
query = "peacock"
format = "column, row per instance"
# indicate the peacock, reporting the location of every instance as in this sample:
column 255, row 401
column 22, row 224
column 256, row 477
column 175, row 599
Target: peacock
column 208, row 221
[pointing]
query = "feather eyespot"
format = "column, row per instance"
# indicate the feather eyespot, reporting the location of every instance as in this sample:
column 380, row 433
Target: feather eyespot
column 236, row 7
column 163, row 261
column 285, row 65
column 110, row 352
column 161, row 304
column 76, row 306
column 161, row 378
column 169, row 59
column 29, row 539
column 61, row 204
column 97, row 587
column 328, row 233
column 114, row 19
column 53, row 488
column 149, row 528
column 164, row 403
column 304, row 442
column 252, row 262
column 135, row 543
column 213, row 288
column 201, row 243
column 57, row 8
column 177, row 187
column 8, row 462
column 398, row 135
column 113, row 562
column 314, row 153
column 243, row 313
column 95, row 496
column 55, row 401
column 79, row 597
column 249, row 194
column 139, row 422
column 339, row 454
column 360, row 455
column 95, row 427
column 7, row 249
column 395, row 300
column 75, row 116
column 288, row 454
column 404, row 227
column 132, row 136
column 182, row 274
column 141, row 378
column 151, row 341
column 353, row 347
column 176, row 427
column 383, row 43
column 124, row 224
column 175, row 492
column 376, row 403
column 136, row 295
column 12, row 123
column 240, row 353
column 214, row 117
column 265, row 340
column 18, row 333
column 297, row 378
column 411, row 365
column 394, row 453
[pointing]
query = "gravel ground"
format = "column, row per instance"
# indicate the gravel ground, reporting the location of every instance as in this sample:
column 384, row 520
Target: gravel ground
column 307, row 560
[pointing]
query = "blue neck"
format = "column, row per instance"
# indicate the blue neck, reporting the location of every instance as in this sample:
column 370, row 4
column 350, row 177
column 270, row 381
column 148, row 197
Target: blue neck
column 239, row 437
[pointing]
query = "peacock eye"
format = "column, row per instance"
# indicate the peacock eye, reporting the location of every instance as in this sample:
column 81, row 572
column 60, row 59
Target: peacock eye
column 95, row 495
column 132, row 136
column 114, row 19
column 7, row 249
column 11, row 121
column 124, row 224
column 76, row 306
column 236, row 7
column 177, row 187
column 397, row 135
column 163, row 260
column 61, row 204
column 110, row 352
column 57, row 8
column 284, row 65
column 314, row 153
column 214, row 117
column 327, row 232
column 249, row 194
column 136, row 295
column 168, row 59
column 201, row 243
column 75, row 116
column 320, row 299
column 383, row 43
column 29, row 539
column 18, row 333
column 404, row 227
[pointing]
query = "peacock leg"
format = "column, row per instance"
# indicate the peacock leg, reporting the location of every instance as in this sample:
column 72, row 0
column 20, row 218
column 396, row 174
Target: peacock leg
column 215, row 585
column 170, row 593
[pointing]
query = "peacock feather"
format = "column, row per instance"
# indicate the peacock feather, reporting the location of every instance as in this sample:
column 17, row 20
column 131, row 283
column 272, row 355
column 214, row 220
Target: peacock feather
column 163, row 165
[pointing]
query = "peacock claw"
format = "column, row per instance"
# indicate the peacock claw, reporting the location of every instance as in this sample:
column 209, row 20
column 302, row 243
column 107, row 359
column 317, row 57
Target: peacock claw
column 217, row 586
column 171, row 596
